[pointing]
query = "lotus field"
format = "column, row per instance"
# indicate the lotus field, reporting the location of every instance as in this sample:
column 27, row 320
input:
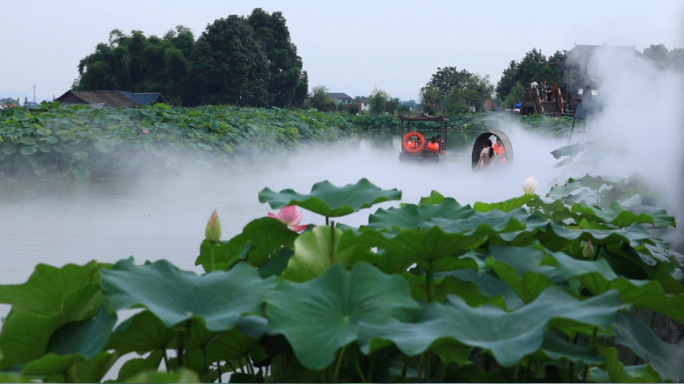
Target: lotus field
column 547, row 289
column 79, row 143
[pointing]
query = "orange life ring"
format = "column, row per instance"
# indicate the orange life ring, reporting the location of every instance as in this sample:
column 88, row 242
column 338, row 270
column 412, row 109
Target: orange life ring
column 412, row 146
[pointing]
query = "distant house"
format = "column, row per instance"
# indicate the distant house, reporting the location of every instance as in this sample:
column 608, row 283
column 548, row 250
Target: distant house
column 340, row 98
column 113, row 99
column 363, row 104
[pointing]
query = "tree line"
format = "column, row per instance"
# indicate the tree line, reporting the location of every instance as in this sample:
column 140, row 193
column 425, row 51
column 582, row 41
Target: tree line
column 251, row 61
column 242, row 61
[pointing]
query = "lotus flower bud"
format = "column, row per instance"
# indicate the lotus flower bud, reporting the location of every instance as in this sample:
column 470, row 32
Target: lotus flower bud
column 588, row 250
column 530, row 185
column 213, row 230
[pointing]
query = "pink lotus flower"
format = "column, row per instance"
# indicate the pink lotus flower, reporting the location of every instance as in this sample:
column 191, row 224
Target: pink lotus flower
column 291, row 217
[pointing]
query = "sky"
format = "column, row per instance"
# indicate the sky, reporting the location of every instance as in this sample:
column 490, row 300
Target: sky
column 351, row 46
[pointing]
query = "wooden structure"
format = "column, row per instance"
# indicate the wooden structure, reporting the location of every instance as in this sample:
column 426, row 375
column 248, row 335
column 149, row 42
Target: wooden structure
column 531, row 103
column 479, row 145
column 415, row 144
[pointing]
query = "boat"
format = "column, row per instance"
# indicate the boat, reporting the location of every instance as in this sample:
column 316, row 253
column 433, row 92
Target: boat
column 495, row 137
column 421, row 140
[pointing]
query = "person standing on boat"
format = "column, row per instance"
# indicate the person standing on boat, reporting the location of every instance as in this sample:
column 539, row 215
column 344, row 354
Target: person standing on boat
column 486, row 155
column 499, row 150
column 433, row 145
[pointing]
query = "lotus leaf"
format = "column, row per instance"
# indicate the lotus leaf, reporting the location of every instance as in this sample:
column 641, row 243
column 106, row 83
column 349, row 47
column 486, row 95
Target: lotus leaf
column 218, row 298
column 331, row 201
column 509, row 336
column 324, row 314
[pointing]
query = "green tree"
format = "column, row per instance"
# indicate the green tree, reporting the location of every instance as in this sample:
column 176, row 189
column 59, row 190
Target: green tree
column 137, row 63
column 659, row 54
column 533, row 66
column 377, row 102
column 320, row 100
column 456, row 91
column 230, row 65
column 430, row 99
column 515, row 96
column 287, row 79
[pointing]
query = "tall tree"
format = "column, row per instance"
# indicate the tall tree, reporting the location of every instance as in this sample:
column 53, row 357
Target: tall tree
column 456, row 91
column 287, row 79
column 377, row 102
column 230, row 65
column 320, row 100
column 533, row 66
column 137, row 63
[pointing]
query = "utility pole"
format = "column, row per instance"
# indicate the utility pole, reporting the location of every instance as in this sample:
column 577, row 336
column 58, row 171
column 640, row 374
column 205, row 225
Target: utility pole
column 34, row 92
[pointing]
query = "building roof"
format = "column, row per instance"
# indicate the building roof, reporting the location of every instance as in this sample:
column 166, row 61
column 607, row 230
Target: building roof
column 112, row 99
column 339, row 96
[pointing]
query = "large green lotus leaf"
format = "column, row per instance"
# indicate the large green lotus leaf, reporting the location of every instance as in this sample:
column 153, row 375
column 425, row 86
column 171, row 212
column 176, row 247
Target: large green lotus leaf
column 434, row 198
column 73, row 368
column 137, row 365
column 218, row 256
column 25, row 335
column 505, row 206
column 86, row 337
column 647, row 294
column 45, row 289
column 91, row 370
column 141, row 333
column 615, row 214
column 230, row 345
column 489, row 286
column 14, row 378
column 314, row 252
column 450, row 285
column 634, row 235
column 509, row 336
column 521, row 268
column 219, row 298
column 262, row 238
column 51, row 364
column 331, row 201
column 321, row 315
column 422, row 246
column 557, row 347
column 668, row 359
column 613, row 371
column 411, row 216
column 567, row 189
column 453, row 218
column 181, row 375
column 572, row 268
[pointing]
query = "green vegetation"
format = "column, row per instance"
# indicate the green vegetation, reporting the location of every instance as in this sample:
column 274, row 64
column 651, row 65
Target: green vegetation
column 534, row 66
column 243, row 61
column 78, row 143
column 523, row 290
column 453, row 92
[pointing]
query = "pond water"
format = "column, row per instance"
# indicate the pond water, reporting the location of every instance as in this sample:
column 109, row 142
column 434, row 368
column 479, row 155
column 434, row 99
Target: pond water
column 164, row 218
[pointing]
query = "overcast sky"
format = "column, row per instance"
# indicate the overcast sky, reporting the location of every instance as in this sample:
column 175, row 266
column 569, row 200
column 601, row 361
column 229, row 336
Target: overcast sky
column 349, row 46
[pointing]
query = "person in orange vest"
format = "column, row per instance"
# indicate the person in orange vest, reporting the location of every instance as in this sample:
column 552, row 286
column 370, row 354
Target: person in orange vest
column 499, row 150
column 433, row 145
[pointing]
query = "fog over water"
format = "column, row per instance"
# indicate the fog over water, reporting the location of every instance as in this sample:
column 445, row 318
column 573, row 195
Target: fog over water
column 640, row 130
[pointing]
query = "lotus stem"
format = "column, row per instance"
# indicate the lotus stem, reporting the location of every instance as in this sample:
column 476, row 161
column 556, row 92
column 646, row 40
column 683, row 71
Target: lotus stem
column 429, row 282
column 212, row 256
column 339, row 363
column 332, row 242
column 360, row 372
